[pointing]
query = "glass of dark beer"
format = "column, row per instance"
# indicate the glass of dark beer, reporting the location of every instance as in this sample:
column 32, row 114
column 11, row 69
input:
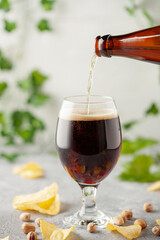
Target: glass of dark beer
column 88, row 142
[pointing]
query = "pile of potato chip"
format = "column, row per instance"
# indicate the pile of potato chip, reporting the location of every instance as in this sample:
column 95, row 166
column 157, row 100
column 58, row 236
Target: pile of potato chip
column 45, row 201
column 29, row 170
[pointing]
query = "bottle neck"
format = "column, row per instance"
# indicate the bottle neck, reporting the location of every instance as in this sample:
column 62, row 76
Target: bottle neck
column 103, row 46
column 143, row 45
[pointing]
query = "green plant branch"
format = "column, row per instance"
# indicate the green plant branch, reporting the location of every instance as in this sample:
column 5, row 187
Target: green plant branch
column 138, row 169
column 21, row 125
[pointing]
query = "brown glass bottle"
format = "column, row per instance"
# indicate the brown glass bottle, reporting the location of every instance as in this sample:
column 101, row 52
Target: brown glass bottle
column 142, row 45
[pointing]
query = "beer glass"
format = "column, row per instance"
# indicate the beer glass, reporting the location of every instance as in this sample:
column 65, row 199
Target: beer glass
column 88, row 141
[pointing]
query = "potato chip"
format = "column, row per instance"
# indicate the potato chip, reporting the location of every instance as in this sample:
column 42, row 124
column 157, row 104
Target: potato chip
column 57, row 235
column 52, row 232
column 158, row 221
column 6, row 238
column 130, row 232
column 29, row 170
column 45, row 201
column 154, row 187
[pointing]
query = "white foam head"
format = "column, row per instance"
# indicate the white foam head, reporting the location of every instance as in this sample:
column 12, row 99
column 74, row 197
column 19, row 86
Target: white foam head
column 78, row 114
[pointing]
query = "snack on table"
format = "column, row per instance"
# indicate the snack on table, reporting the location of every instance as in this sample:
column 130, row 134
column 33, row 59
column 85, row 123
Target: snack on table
column 148, row 207
column 118, row 220
column 158, row 221
column 156, row 230
column 91, row 227
column 32, row 236
column 29, row 170
column 37, row 221
column 124, row 217
column 154, row 187
column 45, row 201
column 28, row 227
column 6, row 238
column 140, row 222
column 130, row 232
column 52, row 232
column 127, row 213
column 25, row 217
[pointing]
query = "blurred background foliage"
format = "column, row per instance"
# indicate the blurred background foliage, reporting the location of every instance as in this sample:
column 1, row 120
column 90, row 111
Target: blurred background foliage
column 139, row 167
column 21, row 126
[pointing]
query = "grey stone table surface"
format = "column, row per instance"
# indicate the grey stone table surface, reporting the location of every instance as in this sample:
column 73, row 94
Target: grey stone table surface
column 113, row 196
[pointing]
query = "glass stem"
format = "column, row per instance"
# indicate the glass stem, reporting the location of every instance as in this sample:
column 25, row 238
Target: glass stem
column 89, row 208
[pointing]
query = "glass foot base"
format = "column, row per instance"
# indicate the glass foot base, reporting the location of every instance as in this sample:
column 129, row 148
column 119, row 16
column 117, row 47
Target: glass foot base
column 100, row 219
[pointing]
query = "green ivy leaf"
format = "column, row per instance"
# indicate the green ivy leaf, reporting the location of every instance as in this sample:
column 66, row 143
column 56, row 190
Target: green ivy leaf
column 47, row 4
column 44, row 25
column 38, row 79
column 26, row 125
column 152, row 110
column 38, row 99
column 20, row 123
column 27, row 134
column 33, row 82
column 129, row 125
column 26, row 84
column 10, row 157
column 138, row 170
column 1, row 118
column 6, row 128
column 37, row 124
column 3, row 87
column 5, row 63
column 131, row 11
column 129, row 147
column 5, row 5
column 148, row 17
column 157, row 159
column 9, row 26
column 25, row 120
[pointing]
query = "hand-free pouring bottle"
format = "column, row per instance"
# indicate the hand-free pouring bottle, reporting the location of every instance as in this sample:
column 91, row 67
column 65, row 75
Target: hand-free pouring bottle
column 142, row 45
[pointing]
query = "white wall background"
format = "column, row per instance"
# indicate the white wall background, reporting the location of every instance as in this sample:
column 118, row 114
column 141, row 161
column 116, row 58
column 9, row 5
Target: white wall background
column 65, row 55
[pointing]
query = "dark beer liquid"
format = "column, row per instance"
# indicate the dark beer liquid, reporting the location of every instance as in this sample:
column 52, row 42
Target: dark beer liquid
column 89, row 145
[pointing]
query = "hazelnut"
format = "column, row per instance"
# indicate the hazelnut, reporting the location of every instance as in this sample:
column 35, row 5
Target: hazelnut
column 28, row 227
column 156, row 230
column 124, row 217
column 140, row 222
column 127, row 213
column 32, row 236
column 91, row 227
column 37, row 221
column 26, row 217
column 148, row 207
column 118, row 220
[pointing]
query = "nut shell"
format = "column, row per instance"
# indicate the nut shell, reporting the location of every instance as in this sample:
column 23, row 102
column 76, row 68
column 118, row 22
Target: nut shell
column 124, row 217
column 118, row 220
column 156, row 230
column 140, row 222
column 26, row 217
column 28, row 227
column 148, row 207
column 91, row 227
column 37, row 221
column 32, row 236
column 127, row 213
